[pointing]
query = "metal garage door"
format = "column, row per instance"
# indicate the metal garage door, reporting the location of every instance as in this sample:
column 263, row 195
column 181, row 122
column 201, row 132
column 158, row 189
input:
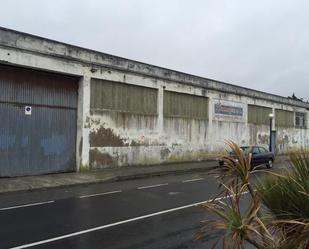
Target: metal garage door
column 37, row 122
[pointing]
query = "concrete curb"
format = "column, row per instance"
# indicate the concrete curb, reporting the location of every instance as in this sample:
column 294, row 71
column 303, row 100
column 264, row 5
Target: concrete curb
column 117, row 178
column 110, row 177
column 162, row 173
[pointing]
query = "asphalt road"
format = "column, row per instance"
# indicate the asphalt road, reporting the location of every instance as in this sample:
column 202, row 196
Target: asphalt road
column 159, row 212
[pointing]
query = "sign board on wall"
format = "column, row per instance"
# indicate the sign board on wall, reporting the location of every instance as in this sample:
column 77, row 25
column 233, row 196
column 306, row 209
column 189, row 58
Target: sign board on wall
column 28, row 110
column 228, row 111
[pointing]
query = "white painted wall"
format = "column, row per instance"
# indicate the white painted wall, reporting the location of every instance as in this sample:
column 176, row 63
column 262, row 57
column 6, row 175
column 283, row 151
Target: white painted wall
column 149, row 139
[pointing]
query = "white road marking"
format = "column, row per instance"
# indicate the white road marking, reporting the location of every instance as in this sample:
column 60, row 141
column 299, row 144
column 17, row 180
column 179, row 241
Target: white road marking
column 117, row 223
column 173, row 193
column 27, row 205
column 98, row 194
column 153, row 186
column 193, row 180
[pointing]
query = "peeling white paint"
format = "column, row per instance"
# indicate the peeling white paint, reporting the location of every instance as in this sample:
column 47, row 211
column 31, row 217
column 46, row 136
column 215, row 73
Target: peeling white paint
column 150, row 139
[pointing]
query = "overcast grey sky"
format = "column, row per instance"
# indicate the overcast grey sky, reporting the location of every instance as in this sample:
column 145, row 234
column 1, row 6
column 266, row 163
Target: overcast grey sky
column 261, row 44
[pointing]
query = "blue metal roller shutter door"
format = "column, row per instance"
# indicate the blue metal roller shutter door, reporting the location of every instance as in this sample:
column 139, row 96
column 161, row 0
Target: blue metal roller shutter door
column 45, row 141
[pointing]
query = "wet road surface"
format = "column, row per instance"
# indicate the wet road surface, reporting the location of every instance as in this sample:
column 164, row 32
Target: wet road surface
column 159, row 212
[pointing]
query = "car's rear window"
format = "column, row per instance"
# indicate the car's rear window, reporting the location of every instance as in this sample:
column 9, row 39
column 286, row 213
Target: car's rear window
column 263, row 150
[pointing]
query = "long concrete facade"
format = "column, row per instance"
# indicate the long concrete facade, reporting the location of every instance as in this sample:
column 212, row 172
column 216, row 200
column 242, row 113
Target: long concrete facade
column 132, row 113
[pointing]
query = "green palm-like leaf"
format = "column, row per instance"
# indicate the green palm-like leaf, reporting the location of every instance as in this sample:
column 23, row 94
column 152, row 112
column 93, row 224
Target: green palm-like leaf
column 278, row 212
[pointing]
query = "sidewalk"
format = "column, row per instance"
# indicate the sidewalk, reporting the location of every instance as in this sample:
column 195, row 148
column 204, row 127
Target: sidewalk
column 28, row 183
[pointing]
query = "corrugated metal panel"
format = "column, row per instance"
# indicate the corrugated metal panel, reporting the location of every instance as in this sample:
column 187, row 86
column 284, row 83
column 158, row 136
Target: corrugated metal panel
column 284, row 118
column 123, row 97
column 185, row 105
column 31, row 87
column 36, row 144
column 258, row 114
column 44, row 141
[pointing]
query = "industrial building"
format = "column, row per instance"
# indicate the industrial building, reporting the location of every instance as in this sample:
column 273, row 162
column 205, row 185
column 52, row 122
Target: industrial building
column 66, row 108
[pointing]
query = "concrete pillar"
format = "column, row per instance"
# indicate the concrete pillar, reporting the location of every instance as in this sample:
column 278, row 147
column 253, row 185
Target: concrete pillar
column 246, row 124
column 160, row 109
column 83, row 124
column 211, row 135
column 274, row 119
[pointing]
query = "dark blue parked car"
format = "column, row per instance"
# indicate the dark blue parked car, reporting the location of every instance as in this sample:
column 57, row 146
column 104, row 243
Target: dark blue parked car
column 260, row 155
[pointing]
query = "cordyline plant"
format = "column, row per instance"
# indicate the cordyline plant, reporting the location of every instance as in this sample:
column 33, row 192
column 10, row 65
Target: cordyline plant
column 277, row 215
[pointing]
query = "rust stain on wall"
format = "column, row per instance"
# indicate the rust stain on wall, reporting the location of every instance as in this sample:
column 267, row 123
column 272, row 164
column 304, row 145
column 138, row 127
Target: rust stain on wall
column 87, row 123
column 263, row 139
column 283, row 143
column 105, row 137
column 135, row 143
column 165, row 153
column 283, row 140
column 253, row 129
column 101, row 160
column 80, row 147
column 128, row 120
